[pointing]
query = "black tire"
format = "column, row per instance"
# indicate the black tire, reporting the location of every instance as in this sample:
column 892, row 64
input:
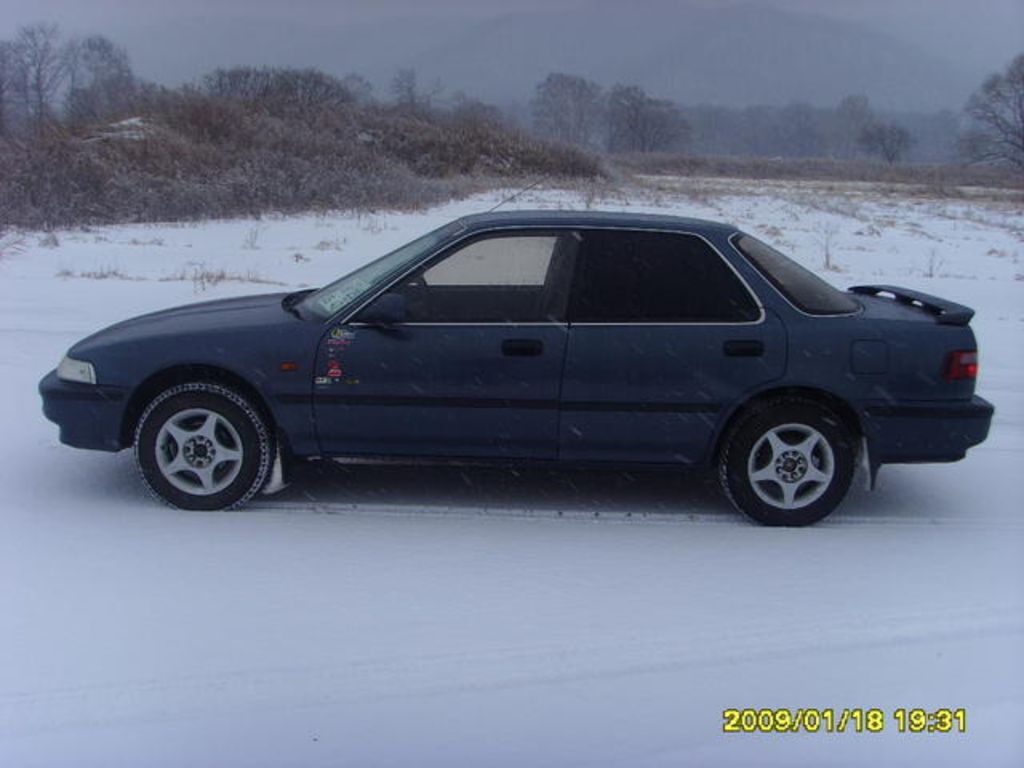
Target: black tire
column 802, row 451
column 187, row 441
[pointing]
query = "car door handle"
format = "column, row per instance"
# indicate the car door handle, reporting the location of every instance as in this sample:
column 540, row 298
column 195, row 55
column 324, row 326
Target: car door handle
column 743, row 348
column 522, row 347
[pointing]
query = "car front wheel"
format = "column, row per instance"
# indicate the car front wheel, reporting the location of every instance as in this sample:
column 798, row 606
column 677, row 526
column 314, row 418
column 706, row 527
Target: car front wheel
column 203, row 446
column 788, row 462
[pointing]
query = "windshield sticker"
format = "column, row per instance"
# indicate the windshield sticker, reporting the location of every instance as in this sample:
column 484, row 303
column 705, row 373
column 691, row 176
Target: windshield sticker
column 334, row 300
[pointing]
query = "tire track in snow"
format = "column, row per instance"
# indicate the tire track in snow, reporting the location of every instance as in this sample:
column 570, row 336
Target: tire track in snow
column 683, row 517
column 435, row 675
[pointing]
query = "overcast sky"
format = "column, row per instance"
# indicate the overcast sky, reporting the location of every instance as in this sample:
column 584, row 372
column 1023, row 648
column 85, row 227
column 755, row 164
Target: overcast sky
column 979, row 35
column 982, row 30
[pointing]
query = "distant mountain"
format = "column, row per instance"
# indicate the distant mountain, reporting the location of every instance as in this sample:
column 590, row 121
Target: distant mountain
column 732, row 55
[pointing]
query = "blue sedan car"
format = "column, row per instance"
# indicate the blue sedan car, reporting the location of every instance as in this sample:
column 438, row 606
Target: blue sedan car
column 580, row 338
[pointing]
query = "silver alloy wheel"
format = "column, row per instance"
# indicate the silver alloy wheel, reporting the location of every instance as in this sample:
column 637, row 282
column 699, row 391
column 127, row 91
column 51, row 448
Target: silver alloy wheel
column 198, row 451
column 791, row 466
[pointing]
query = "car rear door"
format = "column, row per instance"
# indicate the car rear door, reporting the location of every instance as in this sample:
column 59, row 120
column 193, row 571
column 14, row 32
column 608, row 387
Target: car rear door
column 474, row 371
column 664, row 337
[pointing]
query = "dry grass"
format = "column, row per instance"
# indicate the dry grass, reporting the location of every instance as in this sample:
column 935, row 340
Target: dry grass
column 203, row 278
column 200, row 277
column 931, row 180
column 103, row 273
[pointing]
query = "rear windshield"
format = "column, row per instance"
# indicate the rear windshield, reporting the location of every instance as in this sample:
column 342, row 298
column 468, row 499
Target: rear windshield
column 803, row 288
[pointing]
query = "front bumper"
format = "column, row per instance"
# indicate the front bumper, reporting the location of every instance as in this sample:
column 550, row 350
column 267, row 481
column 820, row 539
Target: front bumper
column 927, row 431
column 89, row 415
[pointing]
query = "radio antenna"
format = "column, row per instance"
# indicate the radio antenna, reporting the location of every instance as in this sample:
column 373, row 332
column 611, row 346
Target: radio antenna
column 514, row 195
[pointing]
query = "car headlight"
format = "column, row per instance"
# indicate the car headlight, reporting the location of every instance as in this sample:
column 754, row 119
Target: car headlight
column 76, row 370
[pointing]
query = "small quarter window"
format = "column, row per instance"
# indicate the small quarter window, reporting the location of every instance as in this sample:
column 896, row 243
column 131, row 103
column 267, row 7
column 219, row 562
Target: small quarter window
column 804, row 289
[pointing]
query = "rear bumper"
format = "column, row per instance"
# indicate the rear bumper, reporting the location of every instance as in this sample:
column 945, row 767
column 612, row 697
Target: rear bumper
column 89, row 416
column 928, row 431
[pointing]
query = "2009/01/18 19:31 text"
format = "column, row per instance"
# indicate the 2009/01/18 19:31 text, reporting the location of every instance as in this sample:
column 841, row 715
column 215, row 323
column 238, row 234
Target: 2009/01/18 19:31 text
column 846, row 720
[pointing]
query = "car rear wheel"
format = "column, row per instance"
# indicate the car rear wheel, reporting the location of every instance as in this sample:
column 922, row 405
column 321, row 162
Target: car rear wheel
column 788, row 461
column 202, row 446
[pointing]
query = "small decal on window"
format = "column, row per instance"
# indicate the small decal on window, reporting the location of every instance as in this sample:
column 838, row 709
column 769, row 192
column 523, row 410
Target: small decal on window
column 342, row 334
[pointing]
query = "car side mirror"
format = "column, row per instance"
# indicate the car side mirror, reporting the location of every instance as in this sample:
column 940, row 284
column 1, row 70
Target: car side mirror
column 386, row 311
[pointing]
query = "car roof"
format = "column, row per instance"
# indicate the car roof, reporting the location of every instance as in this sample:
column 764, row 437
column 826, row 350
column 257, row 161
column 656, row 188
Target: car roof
column 602, row 219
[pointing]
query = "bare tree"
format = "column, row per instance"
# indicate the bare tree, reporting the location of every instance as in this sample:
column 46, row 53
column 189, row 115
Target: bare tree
column 888, row 140
column 41, row 69
column 470, row 110
column 852, row 116
column 800, row 131
column 6, row 81
column 403, row 88
column 567, row 108
column 997, row 109
column 639, row 123
column 101, row 83
column 360, row 88
column 408, row 94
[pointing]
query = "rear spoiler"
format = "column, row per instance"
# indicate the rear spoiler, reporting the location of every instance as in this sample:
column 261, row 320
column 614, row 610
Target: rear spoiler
column 946, row 312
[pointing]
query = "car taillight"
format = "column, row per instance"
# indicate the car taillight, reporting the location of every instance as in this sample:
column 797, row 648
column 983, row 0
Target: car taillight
column 962, row 364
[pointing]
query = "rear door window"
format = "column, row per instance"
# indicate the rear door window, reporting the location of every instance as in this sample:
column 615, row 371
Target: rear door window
column 656, row 277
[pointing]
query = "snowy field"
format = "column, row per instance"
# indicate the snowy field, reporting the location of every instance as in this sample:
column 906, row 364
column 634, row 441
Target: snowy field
column 427, row 617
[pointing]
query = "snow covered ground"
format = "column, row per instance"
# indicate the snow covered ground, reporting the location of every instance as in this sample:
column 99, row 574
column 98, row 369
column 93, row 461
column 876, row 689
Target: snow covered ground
column 444, row 617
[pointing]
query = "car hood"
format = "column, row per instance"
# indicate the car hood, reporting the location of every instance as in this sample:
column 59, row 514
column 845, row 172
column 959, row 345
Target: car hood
column 246, row 312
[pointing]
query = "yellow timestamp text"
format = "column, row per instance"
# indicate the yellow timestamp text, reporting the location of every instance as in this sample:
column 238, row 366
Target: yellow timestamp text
column 844, row 720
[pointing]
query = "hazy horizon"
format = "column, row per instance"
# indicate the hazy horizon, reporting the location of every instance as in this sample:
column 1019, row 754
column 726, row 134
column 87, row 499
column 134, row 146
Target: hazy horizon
column 959, row 42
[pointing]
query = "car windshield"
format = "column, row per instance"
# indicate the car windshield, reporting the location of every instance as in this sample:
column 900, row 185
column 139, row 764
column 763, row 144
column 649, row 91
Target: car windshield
column 803, row 288
column 334, row 297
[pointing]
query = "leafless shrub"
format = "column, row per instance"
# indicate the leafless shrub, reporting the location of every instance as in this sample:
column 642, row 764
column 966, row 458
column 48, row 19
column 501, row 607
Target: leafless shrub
column 283, row 91
column 202, row 278
column 935, row 263
column 826, row 233
column 203, row 156
column 251, row 240
column 11, row 244
column 102, row 273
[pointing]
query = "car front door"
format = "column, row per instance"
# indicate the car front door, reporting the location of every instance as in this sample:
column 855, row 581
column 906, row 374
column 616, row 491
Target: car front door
column 474, row 368
column 664, row 336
